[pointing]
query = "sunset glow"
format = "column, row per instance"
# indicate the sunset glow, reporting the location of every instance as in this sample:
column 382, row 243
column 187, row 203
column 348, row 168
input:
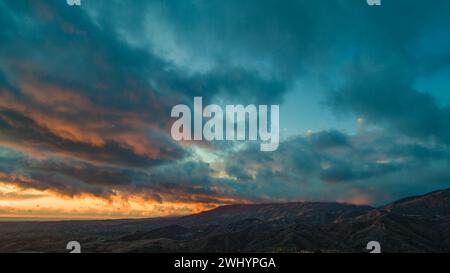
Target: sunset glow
column 24, row 204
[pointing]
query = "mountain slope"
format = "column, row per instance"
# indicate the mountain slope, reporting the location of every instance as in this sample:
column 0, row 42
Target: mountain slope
column 434, row 204
column 309, row 212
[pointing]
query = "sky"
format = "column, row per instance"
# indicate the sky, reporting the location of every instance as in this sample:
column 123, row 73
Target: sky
column 86, row 94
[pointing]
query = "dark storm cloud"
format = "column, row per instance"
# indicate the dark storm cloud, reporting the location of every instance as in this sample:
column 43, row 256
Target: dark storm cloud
column 89, row 174
column 377, row 54
column 188, row 181
column 64, row 69
column 385, row 98
column 373, row 164
column 86, row 94
column 380, row 82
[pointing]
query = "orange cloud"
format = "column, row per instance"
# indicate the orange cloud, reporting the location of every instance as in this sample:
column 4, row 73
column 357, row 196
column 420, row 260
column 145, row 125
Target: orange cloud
column 72, row 116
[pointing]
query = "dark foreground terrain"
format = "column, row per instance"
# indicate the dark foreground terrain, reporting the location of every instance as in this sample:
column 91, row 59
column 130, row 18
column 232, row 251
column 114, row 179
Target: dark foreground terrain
column 415, row 224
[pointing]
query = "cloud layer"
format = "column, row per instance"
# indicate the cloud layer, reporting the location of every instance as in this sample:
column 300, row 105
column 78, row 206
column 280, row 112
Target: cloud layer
column 86, row 93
